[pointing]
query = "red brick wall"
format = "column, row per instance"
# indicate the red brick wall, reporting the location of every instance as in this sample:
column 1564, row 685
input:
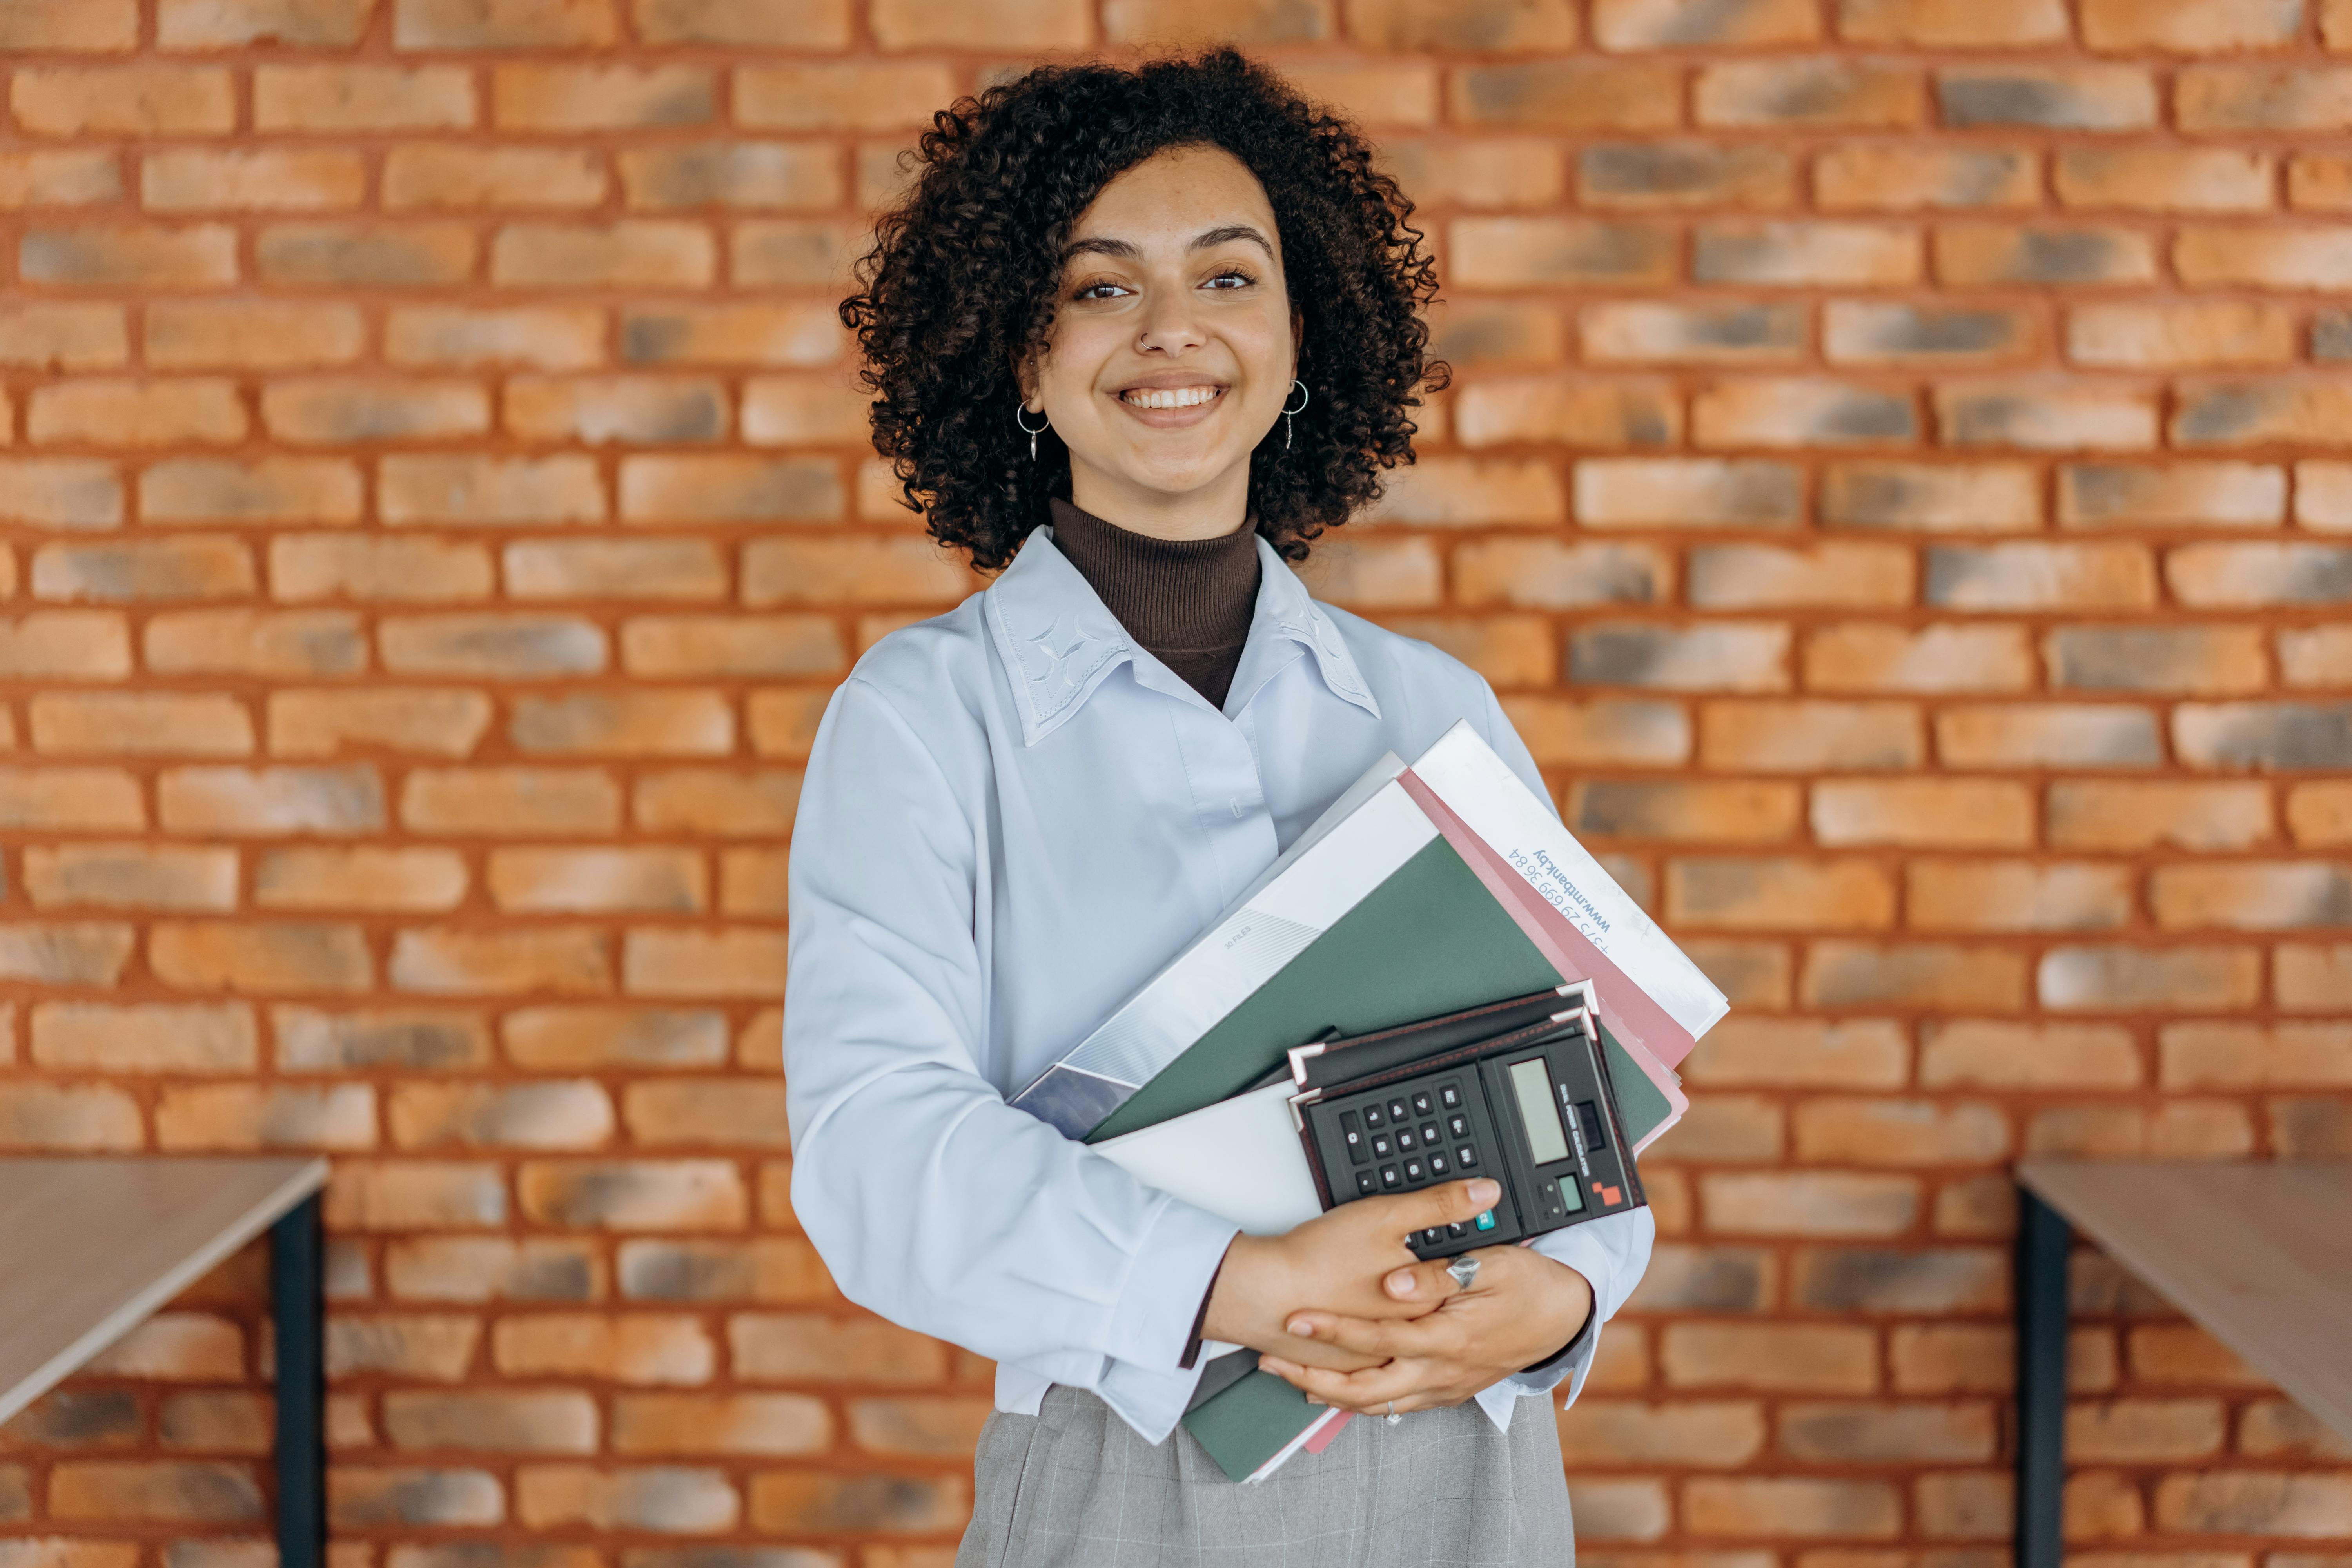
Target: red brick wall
column 1900, row 474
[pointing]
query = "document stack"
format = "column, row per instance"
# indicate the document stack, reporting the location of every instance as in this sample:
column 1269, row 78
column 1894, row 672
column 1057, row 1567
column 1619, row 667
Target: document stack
column 1433, row 912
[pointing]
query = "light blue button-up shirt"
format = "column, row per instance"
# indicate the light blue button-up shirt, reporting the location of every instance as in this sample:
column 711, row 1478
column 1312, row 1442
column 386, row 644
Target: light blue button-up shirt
column 1013, row 817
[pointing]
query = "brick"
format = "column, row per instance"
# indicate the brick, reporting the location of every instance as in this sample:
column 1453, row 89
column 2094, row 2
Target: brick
column 458, row 174
column 2134, row 335
column 706, row 645
column 359, row 1498
column 636, row 1348
column 78, row 24
column 1780, row 894
column 1472, row 492
column 1794, row 413
column 123, row 101
column 735, row 961
column 511, row 25
column 1807, row 737
column 2252, row 256
column 1810, row 92
column 361, row 878
column 1899, row 177
column 576, row 1038
column 486, row 1268
column 2320, row 814
column 2152, row 814
column 776, row 253
column 411, row 1040
column 262, row 179
column 2190, row 26
column 2262, row 97
column 1635, row 493
column 62, row 177
column 1552, row 252
column 547, row 1115
column 58, row 335
column 632, row 569
column 780, row 1268
column 749, row 175
column 2194, row 1056
column 131, row 876
column 1791, row 1507
column 251, row 1117
column 1816, row 1358
column 601, row 98
column 1981, row 255
column 1717, row 657
column 452, row 960
column 2260, row 575
column 343, row 411
column 1755, row 576
column 1950, row 24
column 1631, row 733
column 2116, row 979
column 1805, row 254
column 187, row 411
column 2077, row 98
column 509, row 1422
column 148, row 1037
column 182, row 1492
column 65, row 645
column 344, row 256
column 753, row 881
column 1581, row 411
column 1654, row 332
column 1938, row 497
column 667, row 723
column 2249, row 896
column 2275, row 1428
column 1928, row 975
column 2047, row 736
column 1846, row 1432
column 185, row 568
column 794, row 1347
column 851, row 571
column 1865, row 657
column 370, row 567
column 2040, row 576
column 138, row 722
column 1855, row 333
column 52, row 798
column 405, row 1195
column 631, row 253
column 786, row 24
column 362, row 98
column 1493, row 335
column 1926, row 812
column 1806, row 1204
column 2045, row 416
column 2319, row 182
column 2267, row 736
column 737, row 488
column 2016, row 895
column 273, row 957
column 1982, row 1053
column 123, row 257
column 635, row 410
column 1491, row 172
column 324, row 722
column 2153, row 179
column 465, row 488
column 2251, row 1503
column 1568, row 95
column 2258, row 413
column 274, row 490
column 508, row 801
column 2331, row 335
column 2185, row 494
column 544, row 337
column 1684, row 811
column 492, row 647
column 790, row 411
column 729, row 334
column 586, row 880
column 1883, row 1133
column 54, row 1118
column 2204, row 660
column 639, row 1194
column 916, row 1427
column 673, row 1500
column 61, row 492
column 269, row 802
column 209, row 24
column 2323, row 498
column 724, row 1113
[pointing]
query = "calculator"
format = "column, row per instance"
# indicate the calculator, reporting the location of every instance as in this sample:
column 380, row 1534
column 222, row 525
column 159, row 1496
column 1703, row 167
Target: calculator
column 1526, row 1101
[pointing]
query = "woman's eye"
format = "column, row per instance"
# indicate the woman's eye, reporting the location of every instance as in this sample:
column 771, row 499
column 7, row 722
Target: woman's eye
column 1240, row 278
column 1098, row 291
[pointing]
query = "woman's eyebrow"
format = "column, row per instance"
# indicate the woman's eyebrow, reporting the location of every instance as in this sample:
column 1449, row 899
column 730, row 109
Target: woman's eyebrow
column 1126, row 250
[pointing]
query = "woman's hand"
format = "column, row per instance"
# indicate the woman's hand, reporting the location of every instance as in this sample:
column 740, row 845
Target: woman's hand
column 1341, row 1263
column 1524, row 1309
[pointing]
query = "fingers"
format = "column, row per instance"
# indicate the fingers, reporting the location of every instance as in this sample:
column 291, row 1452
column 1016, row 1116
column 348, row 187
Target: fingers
column 1425, row 1284
column 1374, row 1338
column 1454, row 1203
column 1366, row 1391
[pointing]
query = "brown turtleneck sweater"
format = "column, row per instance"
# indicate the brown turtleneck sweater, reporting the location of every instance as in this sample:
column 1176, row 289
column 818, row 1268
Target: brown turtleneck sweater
column 1187, row 601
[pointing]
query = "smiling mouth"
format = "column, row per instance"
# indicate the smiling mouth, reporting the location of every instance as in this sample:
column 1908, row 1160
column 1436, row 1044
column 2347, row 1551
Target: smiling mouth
column 1169, row 397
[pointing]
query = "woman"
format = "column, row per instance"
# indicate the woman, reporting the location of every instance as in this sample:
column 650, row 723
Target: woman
column 1153, row 331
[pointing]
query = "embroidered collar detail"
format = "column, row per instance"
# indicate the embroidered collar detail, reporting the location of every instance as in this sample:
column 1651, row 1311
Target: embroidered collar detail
column 1060, row 643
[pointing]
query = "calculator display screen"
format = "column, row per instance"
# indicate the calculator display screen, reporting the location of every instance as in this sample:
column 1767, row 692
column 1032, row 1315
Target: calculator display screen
column 1532, row 1082
column 1571, row 1196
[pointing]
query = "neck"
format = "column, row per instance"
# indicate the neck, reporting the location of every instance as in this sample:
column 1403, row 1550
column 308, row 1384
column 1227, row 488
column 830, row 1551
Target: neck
column 1212, row 511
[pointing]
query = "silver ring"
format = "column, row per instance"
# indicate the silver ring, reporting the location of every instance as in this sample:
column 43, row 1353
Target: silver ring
column 1394, row 1416
column 1464, row 1269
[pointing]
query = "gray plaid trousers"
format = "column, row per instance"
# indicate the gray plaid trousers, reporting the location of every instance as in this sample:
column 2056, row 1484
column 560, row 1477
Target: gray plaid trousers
column 1073, row 1487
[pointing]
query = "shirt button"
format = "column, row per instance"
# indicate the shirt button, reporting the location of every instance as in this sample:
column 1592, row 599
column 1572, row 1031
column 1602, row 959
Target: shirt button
column 1236, row 804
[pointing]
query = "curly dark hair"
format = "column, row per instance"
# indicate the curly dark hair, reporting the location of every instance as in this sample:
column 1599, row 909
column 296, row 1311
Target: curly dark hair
column 961, row 281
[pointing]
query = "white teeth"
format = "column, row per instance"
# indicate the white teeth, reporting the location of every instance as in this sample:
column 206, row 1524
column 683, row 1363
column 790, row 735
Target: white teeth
column 1169, row 397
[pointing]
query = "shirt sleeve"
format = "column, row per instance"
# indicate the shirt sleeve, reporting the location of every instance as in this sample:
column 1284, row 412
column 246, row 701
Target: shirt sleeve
column 1611, row 1253
column 933, row 1202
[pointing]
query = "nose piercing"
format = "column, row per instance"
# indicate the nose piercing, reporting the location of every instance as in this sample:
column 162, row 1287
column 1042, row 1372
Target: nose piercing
column 1287, row 411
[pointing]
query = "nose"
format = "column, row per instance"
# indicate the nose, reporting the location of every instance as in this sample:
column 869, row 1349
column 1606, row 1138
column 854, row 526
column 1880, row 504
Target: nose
column 1170, row 326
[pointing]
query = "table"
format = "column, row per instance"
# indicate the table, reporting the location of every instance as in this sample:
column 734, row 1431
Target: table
column 2260, row 1256
column 89, row 1247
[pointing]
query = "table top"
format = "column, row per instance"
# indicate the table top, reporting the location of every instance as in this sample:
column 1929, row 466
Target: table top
column 2259, row 1254
column 89, row 1247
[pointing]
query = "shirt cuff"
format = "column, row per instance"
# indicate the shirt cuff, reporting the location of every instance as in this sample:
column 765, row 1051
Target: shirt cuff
column 1167, row 1286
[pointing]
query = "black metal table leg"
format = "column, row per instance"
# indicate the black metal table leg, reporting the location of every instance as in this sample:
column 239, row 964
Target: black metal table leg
column 2042, row 1238
column 295, row 1304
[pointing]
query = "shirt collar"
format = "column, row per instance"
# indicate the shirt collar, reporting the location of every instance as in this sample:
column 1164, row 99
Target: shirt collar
column 1058, row 643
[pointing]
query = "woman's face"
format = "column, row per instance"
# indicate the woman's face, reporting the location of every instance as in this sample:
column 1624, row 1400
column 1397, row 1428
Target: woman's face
column 1172, row 350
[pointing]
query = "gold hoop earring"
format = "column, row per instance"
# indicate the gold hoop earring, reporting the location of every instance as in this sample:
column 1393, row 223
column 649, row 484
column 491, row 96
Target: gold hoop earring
column 1021, row 407
column 1287, row 411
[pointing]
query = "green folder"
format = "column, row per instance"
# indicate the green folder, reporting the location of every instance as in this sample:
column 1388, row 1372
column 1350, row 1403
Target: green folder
column 1429, row 940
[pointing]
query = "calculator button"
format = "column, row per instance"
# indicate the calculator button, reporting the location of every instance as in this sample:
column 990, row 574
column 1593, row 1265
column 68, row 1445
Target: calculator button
column 1382, row 1146
column 1438, row 1165
column 1432, row 1236
column 1457, row 1230
column 1366, row 1185
column 1449, row 1096
column 1397, row 1112
column 1487, row 1220
column 1420, row 1102
column 1391, row 1178
column 1465, row 1156
column 1429, row 1132
column 1414, row 1171
column 1353, row 1135
column 1405, row 1140
column 1375, row 1117
column 1458, row 1125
